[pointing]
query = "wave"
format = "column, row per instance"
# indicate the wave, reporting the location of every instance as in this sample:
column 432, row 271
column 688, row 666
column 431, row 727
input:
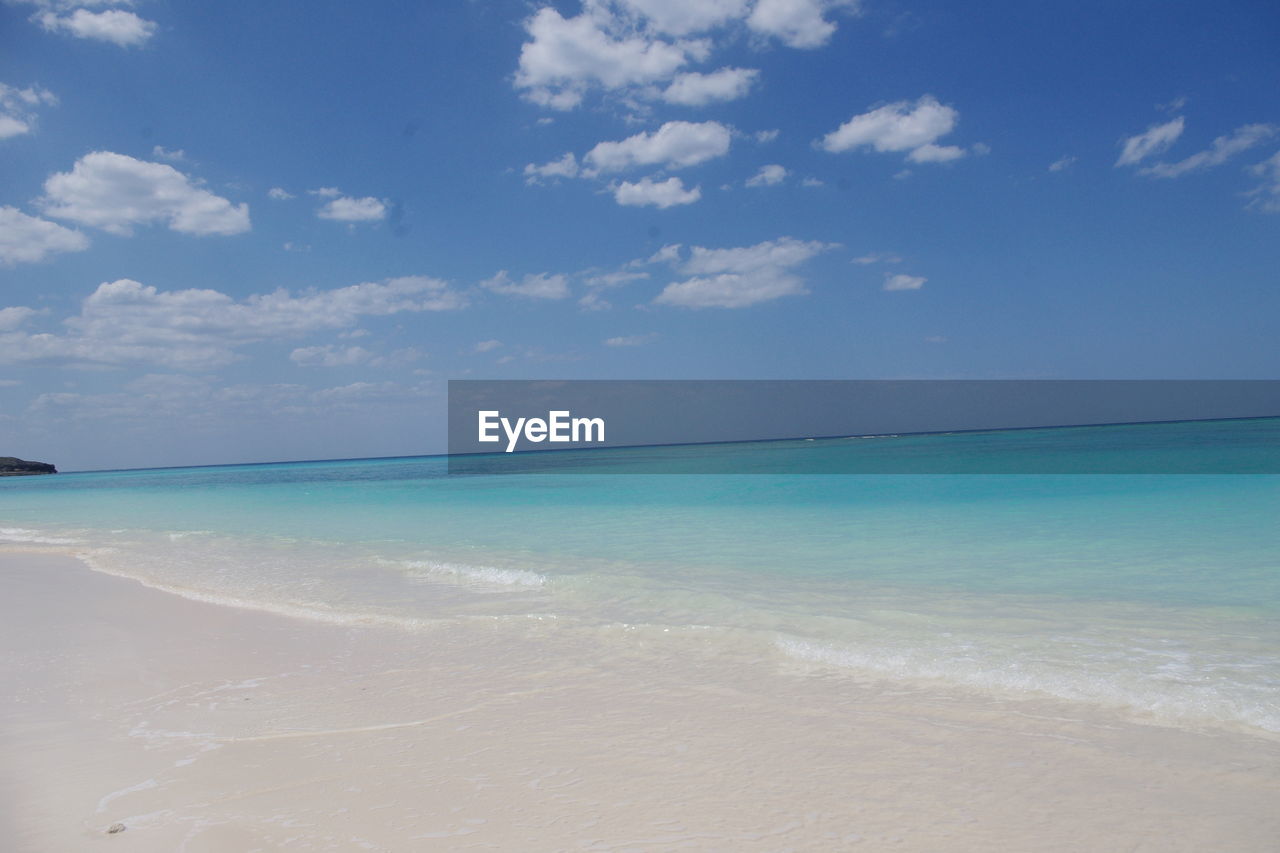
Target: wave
column 35, row 537
column 483, row 574
column 1178, row 700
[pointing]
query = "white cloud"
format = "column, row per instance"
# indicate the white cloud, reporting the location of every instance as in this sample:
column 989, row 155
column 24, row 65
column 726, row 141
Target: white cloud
column 640, row 49
column 345, row 209
column 279, row 194
column 768, row 176
column 159, row 401
column 695, row 89
column 682, row 17
column 488, row 346
column 675, row 145
column 597, row 284
column 650, row 193
column 1266, row 196
column 737, row 278
column 125, row 322
column 811, row 182
column 176, row 155
column 631, row 340
column 564, row 57
column 325, row 192
column 668, row 254
column 111, row 25
column 797, row 23
column 17, row 114
column 900, row 126
column 28, row 239
column 565, row 167
column 11, row 126
column 614, row 279
column 539, row 286
column 1222, row 149
column 902, row 281
column 1153, row 140
column 877, row 258
column 115, row 192
column 930, row 153
column 1062, row 163
column 766, row 136
column 331, row 356
column 12, row 318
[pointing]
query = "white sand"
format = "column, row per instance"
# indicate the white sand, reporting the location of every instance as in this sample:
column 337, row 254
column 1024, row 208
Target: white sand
column 206, row 728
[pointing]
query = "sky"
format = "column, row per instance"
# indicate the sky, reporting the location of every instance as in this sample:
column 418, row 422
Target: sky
column 253, row 231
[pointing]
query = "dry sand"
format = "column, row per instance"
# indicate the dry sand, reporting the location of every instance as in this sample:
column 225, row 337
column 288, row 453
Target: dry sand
column 206, row 728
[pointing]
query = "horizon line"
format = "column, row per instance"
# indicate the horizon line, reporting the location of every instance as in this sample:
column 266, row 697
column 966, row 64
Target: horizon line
column 448, row 455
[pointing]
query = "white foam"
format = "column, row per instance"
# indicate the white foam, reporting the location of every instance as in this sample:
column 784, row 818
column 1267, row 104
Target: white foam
column 1177, row 701
column 23, row 534
column 482, row 574
column 312, row 611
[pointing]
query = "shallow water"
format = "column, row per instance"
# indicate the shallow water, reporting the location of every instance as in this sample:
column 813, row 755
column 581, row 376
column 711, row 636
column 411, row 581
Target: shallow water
column 1159, row 594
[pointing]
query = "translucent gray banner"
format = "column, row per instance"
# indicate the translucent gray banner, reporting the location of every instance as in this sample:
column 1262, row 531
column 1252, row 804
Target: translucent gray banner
column 864, row 427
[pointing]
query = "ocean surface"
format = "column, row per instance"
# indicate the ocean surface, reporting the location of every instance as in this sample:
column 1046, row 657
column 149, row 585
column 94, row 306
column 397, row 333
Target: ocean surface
column 1154, row 594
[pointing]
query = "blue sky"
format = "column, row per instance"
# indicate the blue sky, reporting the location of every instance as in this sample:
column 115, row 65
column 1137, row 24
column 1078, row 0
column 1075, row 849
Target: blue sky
column 251, row 231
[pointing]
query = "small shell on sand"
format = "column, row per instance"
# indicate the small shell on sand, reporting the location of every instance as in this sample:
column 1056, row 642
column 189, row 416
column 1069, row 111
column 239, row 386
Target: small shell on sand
column 114, row 828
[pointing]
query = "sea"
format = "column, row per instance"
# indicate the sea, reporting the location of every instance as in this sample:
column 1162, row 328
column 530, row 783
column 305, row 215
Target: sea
column 1155, row 595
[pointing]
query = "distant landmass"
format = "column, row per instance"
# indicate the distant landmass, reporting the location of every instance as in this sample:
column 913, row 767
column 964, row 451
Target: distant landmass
column 11, row 466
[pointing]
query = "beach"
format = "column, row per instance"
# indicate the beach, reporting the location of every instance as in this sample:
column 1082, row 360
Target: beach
column 200, row 726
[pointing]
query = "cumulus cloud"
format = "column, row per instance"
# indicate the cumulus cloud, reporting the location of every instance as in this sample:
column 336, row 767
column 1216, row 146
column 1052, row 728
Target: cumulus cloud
column 695, row 89
column 901, row 126
column 125, row 322
column 1222, row 149
column 331, row 356
column 28, row 239
column 173, row 155
column 681, row 17
column 675, row 145
column 565, row 167
column 1062, row 163
column 640, row 49
column 346, row 209
column 596, row 284
column 279, row 194
column 768, row 176
column 12, row 318
column 565, row 56
column 488, row 346
column 18, row 108
column 539, row 286
column 902, row 281
column 737, row 278
column 114, row 192
column 1153, row 140
column 650, row 193
column 110, row 25
column 877, row 258
column 797, row 23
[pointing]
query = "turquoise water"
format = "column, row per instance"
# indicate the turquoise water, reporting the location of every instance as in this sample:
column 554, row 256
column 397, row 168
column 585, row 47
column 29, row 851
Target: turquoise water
column 1156, row 594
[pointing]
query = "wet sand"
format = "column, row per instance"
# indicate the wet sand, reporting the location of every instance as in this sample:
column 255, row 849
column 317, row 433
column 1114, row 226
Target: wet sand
column 200, row 727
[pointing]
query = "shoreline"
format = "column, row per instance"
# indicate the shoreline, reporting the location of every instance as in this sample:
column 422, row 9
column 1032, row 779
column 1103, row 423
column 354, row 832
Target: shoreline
column 203, row 725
